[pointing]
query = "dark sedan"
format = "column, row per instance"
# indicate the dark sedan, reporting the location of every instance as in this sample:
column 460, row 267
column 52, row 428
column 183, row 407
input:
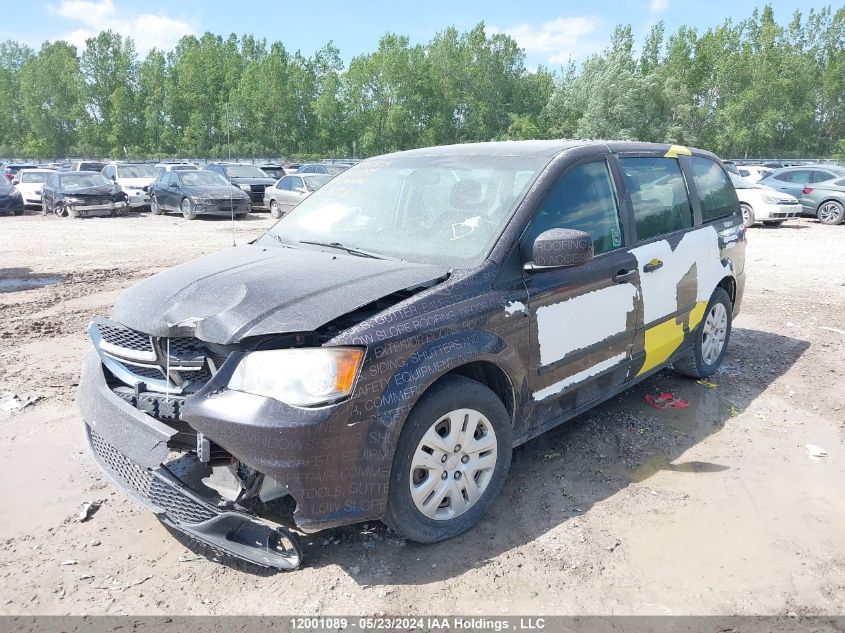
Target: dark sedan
column 197, row 192
column 79, row 194
column 248, row 177
column 11, row 200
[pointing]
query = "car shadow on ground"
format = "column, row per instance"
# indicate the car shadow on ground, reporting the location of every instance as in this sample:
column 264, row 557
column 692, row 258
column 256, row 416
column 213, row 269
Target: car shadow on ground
column 17, row 279
column 561, row 474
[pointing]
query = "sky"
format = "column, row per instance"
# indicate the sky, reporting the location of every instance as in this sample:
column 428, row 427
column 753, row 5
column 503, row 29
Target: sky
column 550, row 31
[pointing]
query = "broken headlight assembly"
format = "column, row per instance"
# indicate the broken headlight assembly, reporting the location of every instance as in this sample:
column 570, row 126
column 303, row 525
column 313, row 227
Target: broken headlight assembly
column 299, row 377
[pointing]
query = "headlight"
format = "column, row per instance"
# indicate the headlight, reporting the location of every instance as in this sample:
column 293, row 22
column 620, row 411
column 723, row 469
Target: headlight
column 770, row 200
column 299, row 377
column 245, row 187
column 74, row 201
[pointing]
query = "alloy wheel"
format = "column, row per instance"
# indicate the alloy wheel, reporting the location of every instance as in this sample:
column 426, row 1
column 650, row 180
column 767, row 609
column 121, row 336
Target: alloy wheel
column 714, row 333
column 830, row 213
column 453, row 464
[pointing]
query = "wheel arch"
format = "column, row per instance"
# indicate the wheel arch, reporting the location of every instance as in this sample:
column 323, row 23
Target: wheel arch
column 728, row 284
column 826, row 200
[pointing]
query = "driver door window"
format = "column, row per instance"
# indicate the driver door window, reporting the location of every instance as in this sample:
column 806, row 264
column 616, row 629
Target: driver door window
column 583, row 198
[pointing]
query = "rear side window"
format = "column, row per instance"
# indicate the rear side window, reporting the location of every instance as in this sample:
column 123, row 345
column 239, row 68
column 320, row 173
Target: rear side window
column 821, row 176
column 715, row 191
column 659, row 196
column 583, row 199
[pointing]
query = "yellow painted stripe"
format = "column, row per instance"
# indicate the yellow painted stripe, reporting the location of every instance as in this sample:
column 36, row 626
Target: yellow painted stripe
column 661, row 341
column 677, row 150
column 696, row 314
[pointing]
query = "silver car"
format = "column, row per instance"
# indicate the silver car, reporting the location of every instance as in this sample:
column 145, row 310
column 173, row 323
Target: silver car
column 289, row 191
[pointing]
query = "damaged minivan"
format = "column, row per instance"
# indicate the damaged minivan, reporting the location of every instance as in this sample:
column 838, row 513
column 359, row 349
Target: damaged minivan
column 379, row 352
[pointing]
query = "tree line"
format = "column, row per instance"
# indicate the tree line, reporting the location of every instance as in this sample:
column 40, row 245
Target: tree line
column 752, row 87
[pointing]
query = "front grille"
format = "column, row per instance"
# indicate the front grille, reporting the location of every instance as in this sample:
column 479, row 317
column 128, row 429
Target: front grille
column 153, row 373
column 257, row 192
column 174, row 501
column 124, row 337
column 183, row 348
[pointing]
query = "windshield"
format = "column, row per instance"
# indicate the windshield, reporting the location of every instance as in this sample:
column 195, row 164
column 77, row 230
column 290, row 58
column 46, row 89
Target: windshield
column 137, row 171
column 742, row 183
column 316, row 181
column 72, row 182
column 425, row 209
column 183, row 167
column 244, row 171
column 37, row 177
column 202, row 178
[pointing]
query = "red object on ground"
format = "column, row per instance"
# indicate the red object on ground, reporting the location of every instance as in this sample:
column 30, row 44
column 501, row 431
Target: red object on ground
column 665, row 400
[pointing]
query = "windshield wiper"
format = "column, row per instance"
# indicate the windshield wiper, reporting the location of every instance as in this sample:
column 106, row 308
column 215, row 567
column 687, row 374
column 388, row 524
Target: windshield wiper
column 281, row 242
column 349, row 249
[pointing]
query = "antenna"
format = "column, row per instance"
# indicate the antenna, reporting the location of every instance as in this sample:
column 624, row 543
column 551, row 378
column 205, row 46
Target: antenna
column 229, row 148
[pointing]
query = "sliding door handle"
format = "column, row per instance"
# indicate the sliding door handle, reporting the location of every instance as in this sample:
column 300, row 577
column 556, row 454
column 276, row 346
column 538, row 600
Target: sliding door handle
column 624, row 275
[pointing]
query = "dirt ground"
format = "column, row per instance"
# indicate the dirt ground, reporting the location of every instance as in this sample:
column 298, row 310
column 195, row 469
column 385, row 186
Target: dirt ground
column 713, row 509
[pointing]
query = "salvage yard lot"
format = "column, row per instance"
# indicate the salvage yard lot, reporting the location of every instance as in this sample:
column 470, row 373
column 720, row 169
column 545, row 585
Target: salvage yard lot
column 712, row 509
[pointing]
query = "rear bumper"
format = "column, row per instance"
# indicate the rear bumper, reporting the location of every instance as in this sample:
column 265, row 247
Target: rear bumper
column 129, row 447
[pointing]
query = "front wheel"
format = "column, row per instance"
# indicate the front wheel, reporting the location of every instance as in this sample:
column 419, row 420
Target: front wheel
column 189, row 211
column 451, row 460
column 275, row 210
column 747, row 214
column 710, row 339
column 831, row 212
column 155, row 208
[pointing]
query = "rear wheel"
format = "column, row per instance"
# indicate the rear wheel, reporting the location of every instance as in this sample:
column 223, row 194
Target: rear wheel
column 710, row 339
column 189, row 211
column 831, row 212
column 275, row 210
column 451, row 460
column 747, row 214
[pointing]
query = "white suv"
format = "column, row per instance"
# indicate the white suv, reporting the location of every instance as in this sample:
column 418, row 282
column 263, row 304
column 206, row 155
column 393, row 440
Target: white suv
column 133, row 179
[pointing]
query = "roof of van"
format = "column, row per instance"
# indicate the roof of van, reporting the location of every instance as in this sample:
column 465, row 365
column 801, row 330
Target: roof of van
column 541, row 148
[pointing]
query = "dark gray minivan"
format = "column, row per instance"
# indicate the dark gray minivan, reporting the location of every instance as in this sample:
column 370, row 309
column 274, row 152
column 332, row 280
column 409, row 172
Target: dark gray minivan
column 379, row 352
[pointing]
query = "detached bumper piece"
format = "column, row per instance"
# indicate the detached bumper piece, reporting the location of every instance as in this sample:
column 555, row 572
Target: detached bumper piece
column 227, row 532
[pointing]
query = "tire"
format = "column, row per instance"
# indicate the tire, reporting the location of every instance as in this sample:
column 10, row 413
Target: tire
column 773, row 222
column 18, row 212
column 747, row 214
column 702, row 360
column 240, row 215
column 155, row 209
column 451, row 398
column 831, row 212
column 189, row 211
column 275, row 211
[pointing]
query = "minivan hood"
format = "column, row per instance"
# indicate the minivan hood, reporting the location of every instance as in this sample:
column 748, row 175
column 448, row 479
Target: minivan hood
column 253, row 290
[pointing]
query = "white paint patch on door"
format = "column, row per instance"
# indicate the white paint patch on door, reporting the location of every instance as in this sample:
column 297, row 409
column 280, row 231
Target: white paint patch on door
column 582, row 321
column 660, row 287
column 559, row 386
column 514, row 307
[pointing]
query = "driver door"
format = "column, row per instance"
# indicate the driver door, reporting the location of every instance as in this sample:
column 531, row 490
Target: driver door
column 583, row 318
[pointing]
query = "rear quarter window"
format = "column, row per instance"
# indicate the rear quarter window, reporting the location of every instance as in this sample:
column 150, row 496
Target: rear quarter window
column 715, row 191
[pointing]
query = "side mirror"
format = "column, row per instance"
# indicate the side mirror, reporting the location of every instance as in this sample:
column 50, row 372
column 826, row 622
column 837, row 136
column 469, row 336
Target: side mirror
column 559, row 248
column 172, row 184
column 302, row 190
column 15, row 181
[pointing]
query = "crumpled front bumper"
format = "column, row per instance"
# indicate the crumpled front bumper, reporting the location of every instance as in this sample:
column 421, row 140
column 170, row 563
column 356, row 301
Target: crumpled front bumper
column 130, row 448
